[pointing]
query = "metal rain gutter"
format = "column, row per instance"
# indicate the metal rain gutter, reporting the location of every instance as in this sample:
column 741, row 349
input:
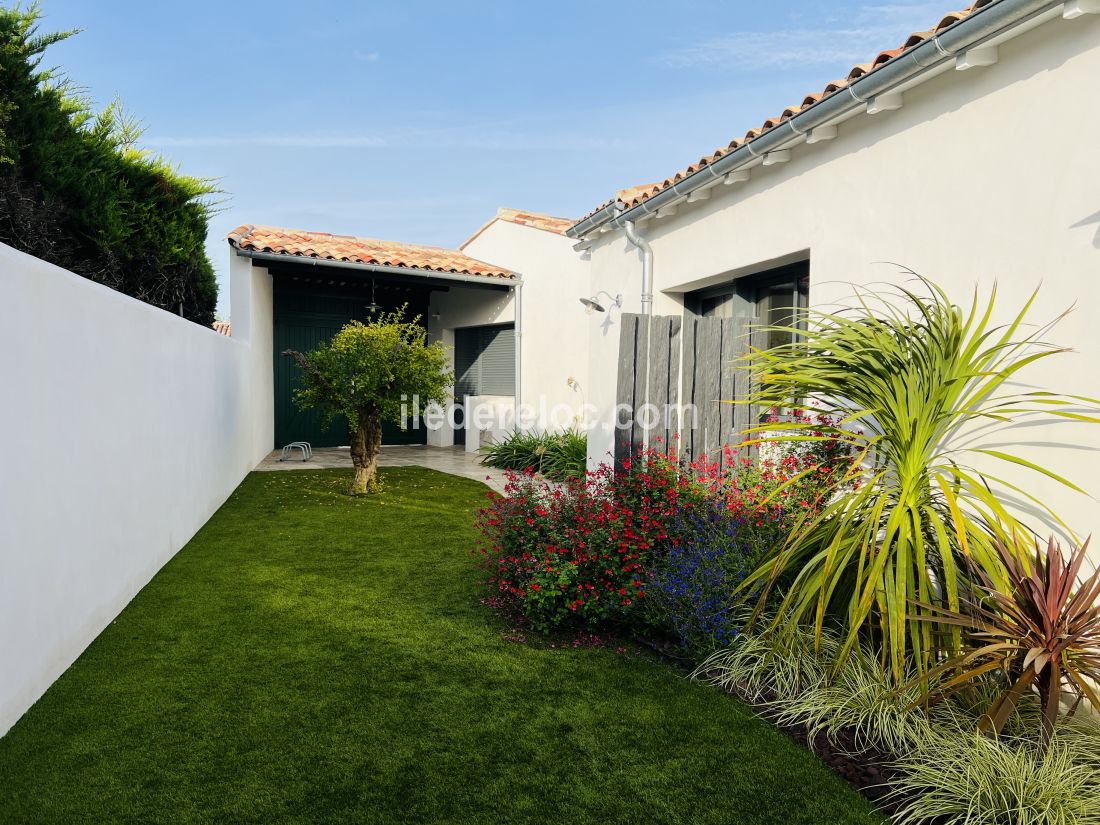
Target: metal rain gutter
column 596, row 219
column 481, row 280
column 932, row 53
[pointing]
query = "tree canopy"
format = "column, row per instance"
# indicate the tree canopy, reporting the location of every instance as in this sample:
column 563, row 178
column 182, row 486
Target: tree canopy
column 367, row 373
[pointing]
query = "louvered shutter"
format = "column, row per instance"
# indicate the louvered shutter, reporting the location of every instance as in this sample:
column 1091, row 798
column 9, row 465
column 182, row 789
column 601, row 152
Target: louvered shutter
column 498, row 361
column 467, row 369
column 485, row 361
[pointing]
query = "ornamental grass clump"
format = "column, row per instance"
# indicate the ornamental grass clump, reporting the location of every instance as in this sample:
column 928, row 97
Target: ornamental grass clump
column 858, row 706
column 972, row 779
column 931, row 387
column 771, row 667
column 559, row 456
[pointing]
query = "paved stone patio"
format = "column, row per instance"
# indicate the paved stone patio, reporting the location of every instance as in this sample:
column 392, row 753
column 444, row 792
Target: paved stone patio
column 453, row 460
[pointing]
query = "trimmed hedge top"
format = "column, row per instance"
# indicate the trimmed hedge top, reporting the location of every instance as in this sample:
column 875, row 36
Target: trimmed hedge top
column 75, row 190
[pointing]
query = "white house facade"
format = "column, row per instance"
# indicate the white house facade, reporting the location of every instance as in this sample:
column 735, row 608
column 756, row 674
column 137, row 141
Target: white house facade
column 501, row 322
column 970, row 155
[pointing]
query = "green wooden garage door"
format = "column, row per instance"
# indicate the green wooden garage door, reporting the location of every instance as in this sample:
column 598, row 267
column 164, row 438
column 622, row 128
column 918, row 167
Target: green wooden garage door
column 302, row 323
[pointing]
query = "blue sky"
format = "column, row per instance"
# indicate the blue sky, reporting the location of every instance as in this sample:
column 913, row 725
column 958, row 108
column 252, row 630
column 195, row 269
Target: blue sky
column 414, row 121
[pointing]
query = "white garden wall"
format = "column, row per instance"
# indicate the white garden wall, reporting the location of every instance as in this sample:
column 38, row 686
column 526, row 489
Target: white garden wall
column 122, row 429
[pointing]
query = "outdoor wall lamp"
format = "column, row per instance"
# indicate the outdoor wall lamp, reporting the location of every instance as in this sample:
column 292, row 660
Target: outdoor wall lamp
column 372, row 307
column 593, row 303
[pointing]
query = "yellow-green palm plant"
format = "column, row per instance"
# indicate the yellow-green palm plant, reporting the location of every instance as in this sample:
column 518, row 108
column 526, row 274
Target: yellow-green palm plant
column 914, row 382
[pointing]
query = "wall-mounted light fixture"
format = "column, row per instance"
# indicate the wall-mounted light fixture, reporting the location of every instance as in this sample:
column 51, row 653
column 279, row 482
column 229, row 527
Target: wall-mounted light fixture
column 372, row 307
column 593, row 303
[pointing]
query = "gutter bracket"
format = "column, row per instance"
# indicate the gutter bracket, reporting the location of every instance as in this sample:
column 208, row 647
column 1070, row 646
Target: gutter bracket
column 973, row 58
column 1076, row 8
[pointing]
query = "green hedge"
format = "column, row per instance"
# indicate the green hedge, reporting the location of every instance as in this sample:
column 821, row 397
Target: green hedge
column 75, row 191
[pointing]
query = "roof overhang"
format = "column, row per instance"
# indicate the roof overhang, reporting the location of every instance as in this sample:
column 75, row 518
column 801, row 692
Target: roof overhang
column 876, row 91
column 412, row 273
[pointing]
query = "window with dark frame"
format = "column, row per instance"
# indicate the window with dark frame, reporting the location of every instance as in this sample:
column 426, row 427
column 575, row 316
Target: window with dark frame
column 776, row 297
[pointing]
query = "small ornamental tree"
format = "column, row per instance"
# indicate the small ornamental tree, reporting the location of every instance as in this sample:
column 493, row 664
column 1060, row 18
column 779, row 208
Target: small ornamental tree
column 363, row 374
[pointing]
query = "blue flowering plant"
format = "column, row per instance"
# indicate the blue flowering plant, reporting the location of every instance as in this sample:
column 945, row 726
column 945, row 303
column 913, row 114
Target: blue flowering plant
column 691, row 586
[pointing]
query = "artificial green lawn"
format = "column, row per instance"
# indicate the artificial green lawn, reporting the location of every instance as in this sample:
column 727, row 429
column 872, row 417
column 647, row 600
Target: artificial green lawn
column 309, row 657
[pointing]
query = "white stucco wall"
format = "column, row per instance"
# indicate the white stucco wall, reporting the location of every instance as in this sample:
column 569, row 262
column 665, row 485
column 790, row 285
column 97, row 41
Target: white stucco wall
column 124, row 428
column 251, row 311
column 488, row 419
column 463, row 306
column 554, row 341
column 991, row 174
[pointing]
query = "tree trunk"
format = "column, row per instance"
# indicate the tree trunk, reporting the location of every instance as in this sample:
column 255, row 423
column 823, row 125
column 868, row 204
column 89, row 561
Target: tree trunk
column 365, row 443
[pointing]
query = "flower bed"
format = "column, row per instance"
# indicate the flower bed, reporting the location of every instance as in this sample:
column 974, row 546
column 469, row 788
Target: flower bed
column 913, row 622
column 653, row 545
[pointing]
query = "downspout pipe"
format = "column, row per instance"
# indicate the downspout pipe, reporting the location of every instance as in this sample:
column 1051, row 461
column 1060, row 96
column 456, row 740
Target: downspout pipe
column 517, row 400
column 971, row 31
column 647, row 265
column 647, row 305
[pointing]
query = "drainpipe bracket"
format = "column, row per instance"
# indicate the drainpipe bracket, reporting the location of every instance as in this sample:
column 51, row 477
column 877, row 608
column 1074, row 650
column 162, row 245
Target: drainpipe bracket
column 884, row 103
column 821, row 134
column 973, row 58
column 1076, row 8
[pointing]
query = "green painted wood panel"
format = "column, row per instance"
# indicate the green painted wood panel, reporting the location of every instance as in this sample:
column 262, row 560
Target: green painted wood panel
column 303, row 322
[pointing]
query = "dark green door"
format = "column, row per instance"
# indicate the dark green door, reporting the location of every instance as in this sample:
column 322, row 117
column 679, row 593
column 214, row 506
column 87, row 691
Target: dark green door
column 303, row 322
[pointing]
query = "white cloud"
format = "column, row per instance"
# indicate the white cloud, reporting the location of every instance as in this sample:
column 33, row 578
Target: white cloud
column 855, row 39
column 366, row 57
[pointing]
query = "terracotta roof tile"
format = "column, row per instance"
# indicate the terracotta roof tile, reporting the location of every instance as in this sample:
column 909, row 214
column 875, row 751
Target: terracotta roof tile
column 636, row 194
column 860, row 70
column 223, row 327
column 536, row 220
column 324, row 246
column 918, row 37
column 887, row 55
column 545, row 222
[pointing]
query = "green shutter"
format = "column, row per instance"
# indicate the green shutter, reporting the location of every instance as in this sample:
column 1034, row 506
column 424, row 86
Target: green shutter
column 485, row 361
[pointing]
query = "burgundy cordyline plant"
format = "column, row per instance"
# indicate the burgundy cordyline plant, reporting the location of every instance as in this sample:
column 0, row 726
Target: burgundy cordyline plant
column 1041, row 633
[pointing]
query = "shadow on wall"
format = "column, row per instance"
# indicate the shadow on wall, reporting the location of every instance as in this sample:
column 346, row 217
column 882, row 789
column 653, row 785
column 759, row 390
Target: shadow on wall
column 1050, row 445
column 1091, row 219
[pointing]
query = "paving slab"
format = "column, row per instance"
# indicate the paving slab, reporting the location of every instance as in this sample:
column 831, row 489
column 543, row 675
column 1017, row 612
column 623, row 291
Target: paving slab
column 453, row 460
